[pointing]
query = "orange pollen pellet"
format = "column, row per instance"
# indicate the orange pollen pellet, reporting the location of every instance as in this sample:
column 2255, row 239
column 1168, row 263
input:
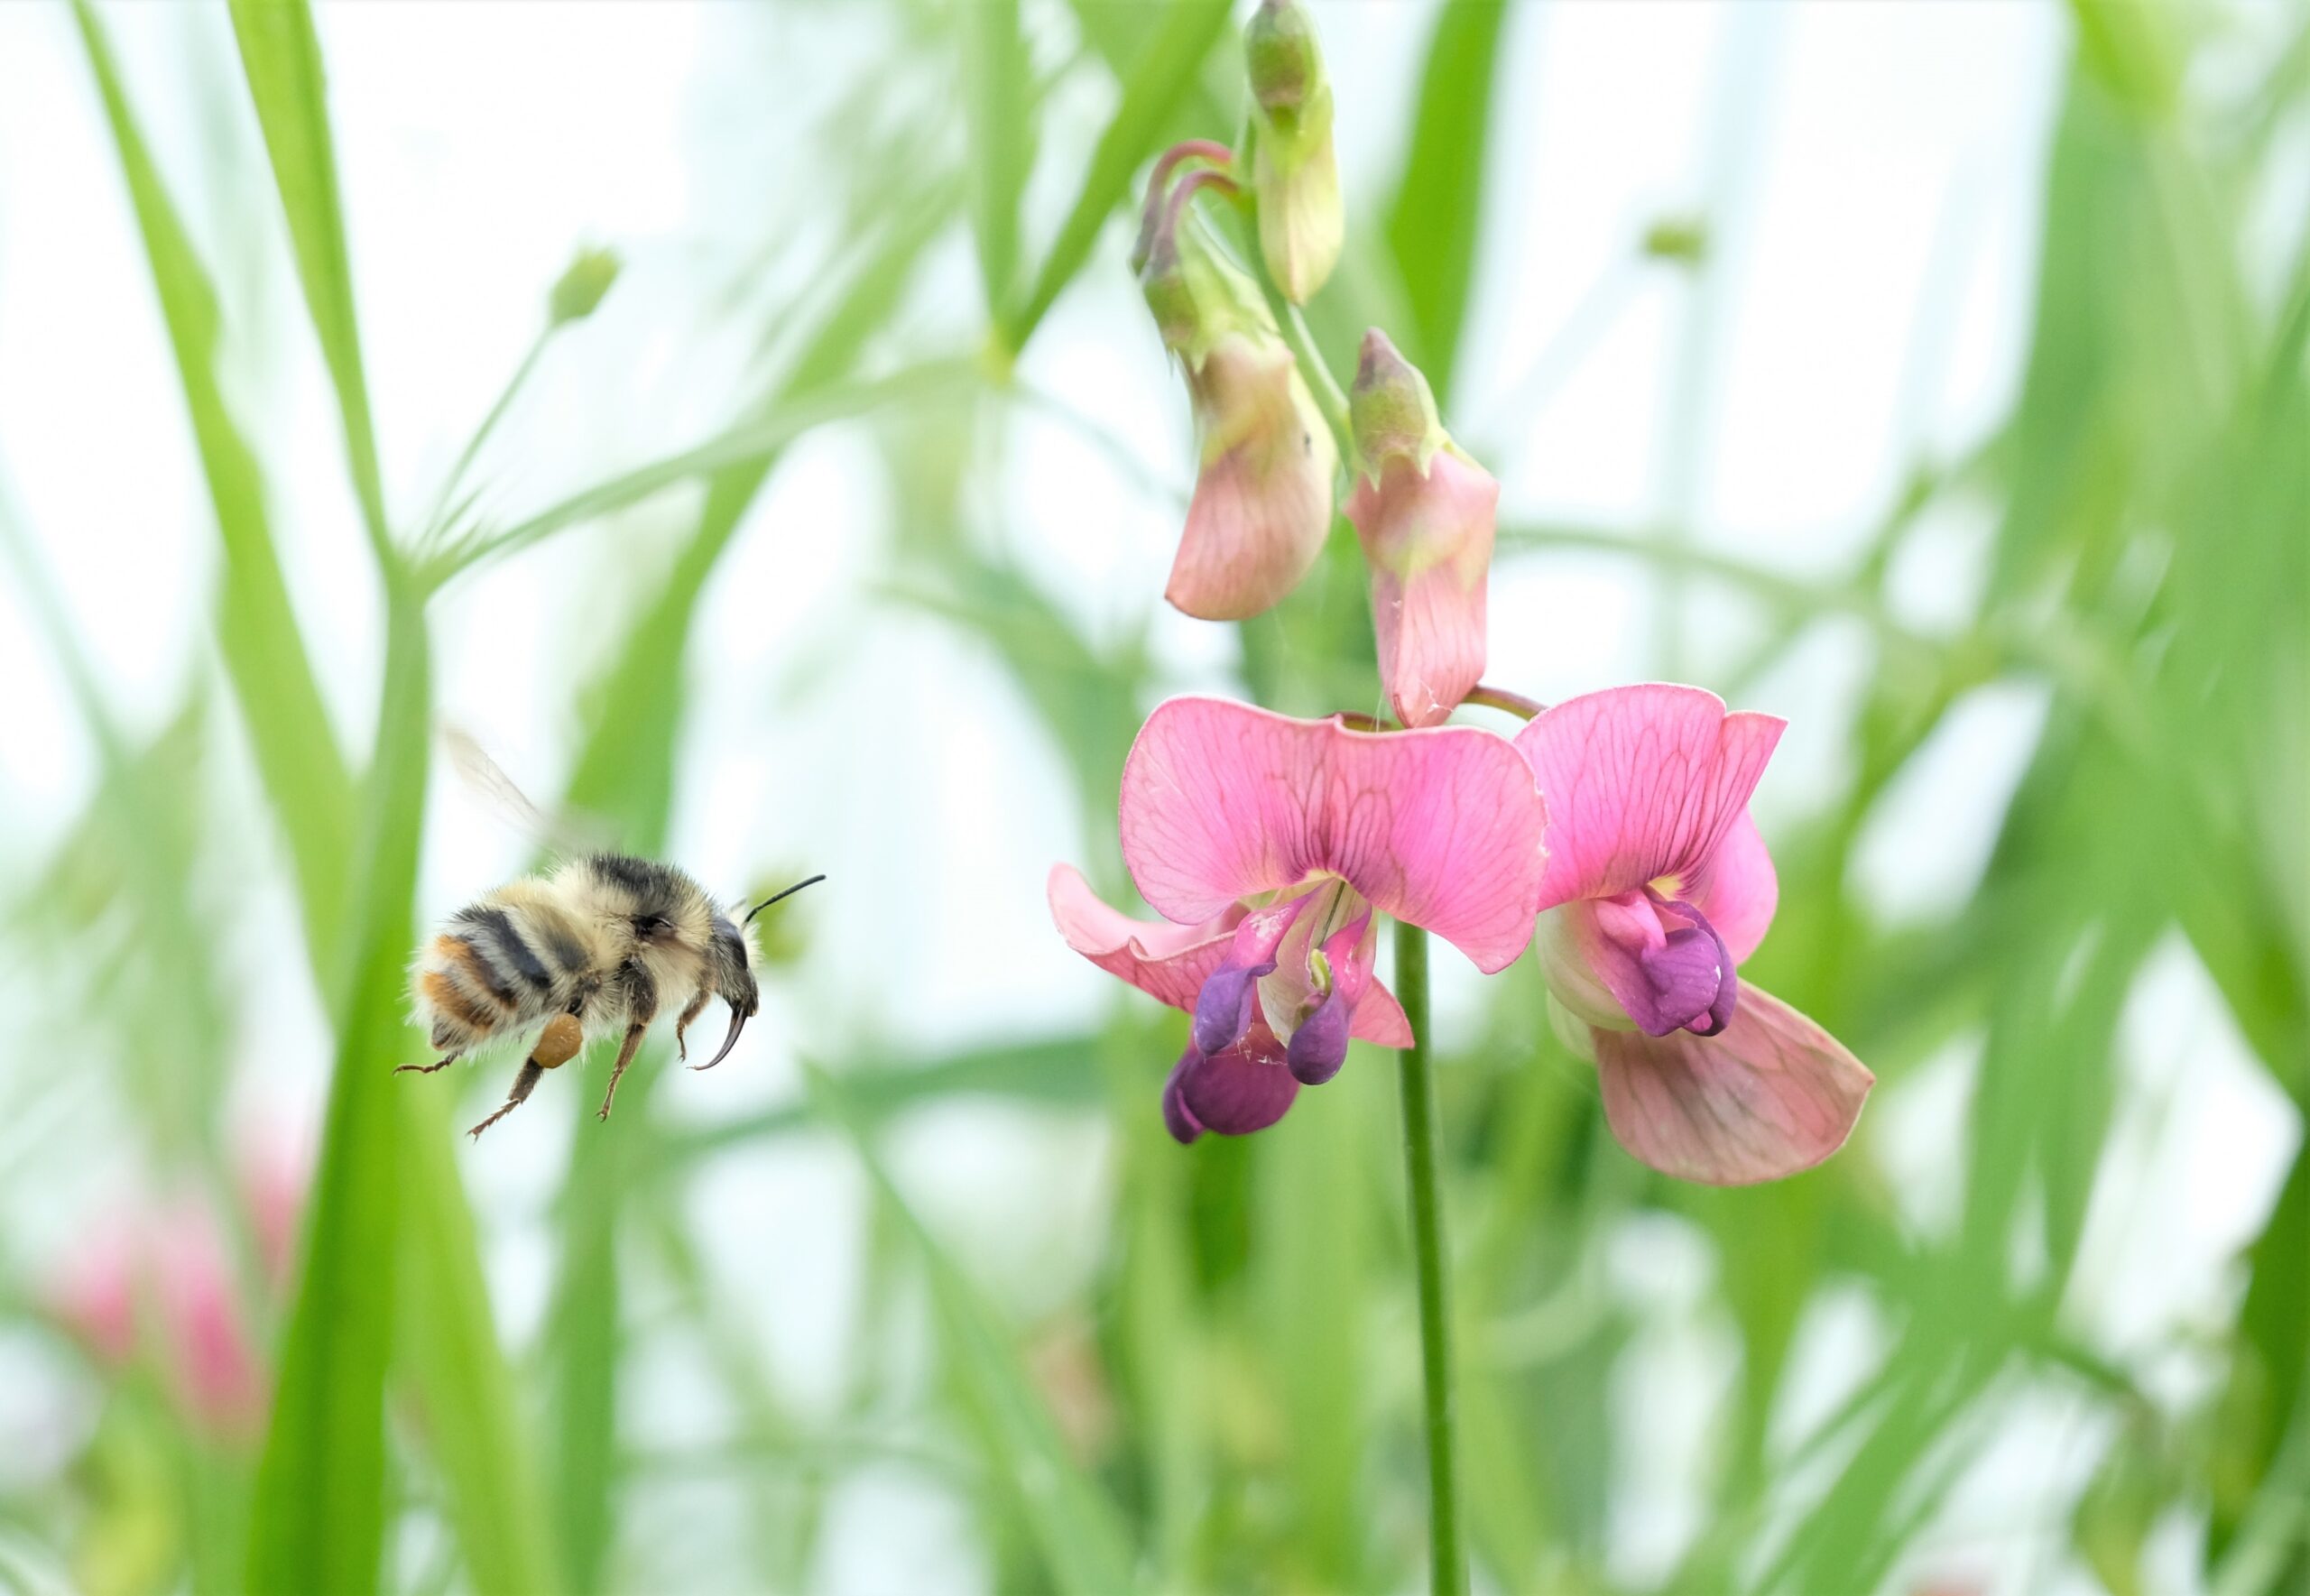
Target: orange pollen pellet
column 557, row 1043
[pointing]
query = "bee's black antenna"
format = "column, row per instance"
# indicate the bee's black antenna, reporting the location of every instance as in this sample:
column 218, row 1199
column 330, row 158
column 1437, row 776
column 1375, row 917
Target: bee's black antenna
column 774, row 896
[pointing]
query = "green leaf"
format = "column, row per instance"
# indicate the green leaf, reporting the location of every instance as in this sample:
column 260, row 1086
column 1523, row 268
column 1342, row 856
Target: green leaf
column 447, row 1342
column 282, row 61
column 297, row 754
column 752, row 443
column 999, row 101
column 1439, row 211
column 319, row 1514
column 1075, row 1525
column 1163, row 74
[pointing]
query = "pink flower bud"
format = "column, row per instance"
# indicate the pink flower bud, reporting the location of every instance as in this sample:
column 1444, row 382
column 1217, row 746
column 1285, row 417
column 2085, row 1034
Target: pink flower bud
column 1424, row 512
column 1264, row 496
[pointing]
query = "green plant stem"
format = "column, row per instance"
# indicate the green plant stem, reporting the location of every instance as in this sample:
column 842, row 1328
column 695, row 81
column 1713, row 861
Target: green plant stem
column 437, row 519
column 1421, row 1158
column 1330, row 398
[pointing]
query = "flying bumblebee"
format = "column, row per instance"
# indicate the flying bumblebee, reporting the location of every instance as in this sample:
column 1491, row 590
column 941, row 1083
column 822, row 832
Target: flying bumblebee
column 597, row 947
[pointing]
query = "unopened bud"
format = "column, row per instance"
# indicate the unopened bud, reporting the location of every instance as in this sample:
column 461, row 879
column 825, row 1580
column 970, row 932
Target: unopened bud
column 1424, row 514
column 1294, row 173
column 1391, row 410
column 1281, row 57
column 581, row 287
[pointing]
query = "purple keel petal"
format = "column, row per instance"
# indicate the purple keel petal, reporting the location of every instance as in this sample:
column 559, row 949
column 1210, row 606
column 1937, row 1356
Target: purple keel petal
column 1244, row 1089
column 1682, row 978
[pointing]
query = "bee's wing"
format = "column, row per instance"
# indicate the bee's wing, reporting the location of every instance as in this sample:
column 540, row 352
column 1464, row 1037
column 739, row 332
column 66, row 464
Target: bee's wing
column 564, row 835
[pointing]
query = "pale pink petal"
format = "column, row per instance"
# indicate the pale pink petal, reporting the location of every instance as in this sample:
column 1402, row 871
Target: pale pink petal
column 1167, row 962
column 1262, row 499
column 1380, row 1019
column 1775, row 1094
column 1642, row 783
column 1440, row 827
column 1737, row 888
column 1427, row 538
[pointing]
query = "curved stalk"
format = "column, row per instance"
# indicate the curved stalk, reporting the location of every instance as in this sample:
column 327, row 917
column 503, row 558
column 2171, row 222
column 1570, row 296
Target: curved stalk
column 1421, row 1160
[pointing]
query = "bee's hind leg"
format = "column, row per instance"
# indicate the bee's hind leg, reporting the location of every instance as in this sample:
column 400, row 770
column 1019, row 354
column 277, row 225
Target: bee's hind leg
column 523, row 1084
column 556, row 1046
column 625, row 1053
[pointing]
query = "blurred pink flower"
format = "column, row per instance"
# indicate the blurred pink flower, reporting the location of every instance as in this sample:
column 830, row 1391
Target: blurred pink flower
column 1657, row 886
column 93, row 1292
column 209, row 1352
column 1268, row 842
column 167, row 1266
column 1424, row 514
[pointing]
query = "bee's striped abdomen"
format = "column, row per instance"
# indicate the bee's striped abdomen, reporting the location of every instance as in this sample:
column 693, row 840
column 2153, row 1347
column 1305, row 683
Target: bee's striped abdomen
column 515, row 971
column 454, row 983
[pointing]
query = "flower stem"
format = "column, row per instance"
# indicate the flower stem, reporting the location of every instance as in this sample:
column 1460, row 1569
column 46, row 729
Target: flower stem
column 1421, row 1139
column 1492, row 697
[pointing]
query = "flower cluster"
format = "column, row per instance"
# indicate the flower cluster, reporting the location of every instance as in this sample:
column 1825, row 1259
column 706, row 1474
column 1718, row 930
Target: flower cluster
column 1613, row 833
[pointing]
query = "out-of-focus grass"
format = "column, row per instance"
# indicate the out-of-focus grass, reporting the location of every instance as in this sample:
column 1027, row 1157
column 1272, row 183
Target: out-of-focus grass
column 1241, row 1405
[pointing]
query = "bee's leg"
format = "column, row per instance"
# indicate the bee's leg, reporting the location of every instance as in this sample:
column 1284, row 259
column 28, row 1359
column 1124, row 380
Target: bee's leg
column 557, row 1045
column 696, row 1007
column 426, row 1069
column 624, row 1057
column 523, row 1084
column 641, row 1008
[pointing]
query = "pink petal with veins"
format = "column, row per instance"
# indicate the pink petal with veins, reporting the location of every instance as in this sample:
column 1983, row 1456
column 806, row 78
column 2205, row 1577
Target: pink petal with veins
column 1427, row 538
column 1737, row 888
column 1170, row 963
column 1440, row 827
column 1644, row 783
column 1774, row 1094
column 1167, row 962
column 1264, row 497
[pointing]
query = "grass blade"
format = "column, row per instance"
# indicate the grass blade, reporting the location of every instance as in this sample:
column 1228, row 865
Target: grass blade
column 296, row 755
column 1075, row 1525
column 319, row 1518
column 283, row 60
column 998, row 100
column 1164, row 72
column 1433, row 224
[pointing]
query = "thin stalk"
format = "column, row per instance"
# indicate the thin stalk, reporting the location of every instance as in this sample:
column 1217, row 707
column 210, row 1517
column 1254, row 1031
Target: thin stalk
column 437, row 519
column 1421, row 1138
column 1517, row 704
column 1330, row 398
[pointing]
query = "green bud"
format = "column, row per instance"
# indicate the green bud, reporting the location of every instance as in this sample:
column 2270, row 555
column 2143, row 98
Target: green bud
column 1683, row 240
column 581, row 287
column 1295, row 175
column 1391, row 410
column 1282, row 59
column 1197, row 295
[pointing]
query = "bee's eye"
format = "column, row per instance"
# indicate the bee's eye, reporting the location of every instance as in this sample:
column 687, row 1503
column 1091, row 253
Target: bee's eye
column 649, row 925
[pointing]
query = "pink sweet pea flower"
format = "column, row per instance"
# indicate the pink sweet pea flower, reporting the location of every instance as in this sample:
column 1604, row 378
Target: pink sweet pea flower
column 1266, row 844
column 1264, row 497
column 1657, row 886
column 1262, row 503
column 1424, row 512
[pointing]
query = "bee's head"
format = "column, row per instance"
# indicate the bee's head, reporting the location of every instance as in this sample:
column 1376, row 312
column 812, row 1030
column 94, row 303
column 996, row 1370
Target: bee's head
column 730, row 966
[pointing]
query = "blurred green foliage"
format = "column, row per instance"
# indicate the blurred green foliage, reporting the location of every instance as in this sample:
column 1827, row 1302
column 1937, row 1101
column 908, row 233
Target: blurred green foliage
column 1234, row 1402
